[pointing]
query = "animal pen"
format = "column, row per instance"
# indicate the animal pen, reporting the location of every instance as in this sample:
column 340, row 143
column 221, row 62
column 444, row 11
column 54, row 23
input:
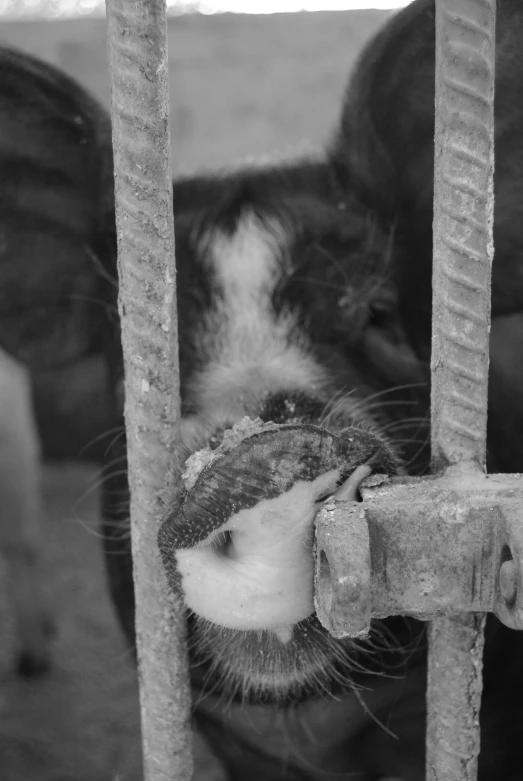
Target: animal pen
column 453, row 541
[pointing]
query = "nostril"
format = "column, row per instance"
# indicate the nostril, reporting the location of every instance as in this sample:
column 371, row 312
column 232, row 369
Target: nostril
column 223, row 544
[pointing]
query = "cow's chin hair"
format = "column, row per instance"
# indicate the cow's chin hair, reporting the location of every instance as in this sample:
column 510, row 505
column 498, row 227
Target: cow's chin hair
column 257, row 667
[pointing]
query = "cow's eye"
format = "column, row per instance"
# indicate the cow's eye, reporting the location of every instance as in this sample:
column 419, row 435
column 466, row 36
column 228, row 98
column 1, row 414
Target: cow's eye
column 382, row 314
column 385, row 342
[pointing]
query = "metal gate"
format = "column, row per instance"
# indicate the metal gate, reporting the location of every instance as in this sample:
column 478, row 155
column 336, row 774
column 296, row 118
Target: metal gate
column 464, row 523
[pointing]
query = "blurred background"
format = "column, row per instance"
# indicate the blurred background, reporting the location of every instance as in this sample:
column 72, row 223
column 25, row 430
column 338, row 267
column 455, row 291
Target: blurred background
column 241, row 84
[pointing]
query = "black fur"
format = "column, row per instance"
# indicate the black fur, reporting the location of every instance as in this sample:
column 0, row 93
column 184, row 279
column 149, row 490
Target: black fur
column 57, row 233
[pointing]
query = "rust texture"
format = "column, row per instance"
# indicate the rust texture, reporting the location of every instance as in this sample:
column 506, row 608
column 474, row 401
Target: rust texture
column 463, row 216
column 342, row 573
column 147, row 305
column 423, row 547
column 455, row 662
column 463, row 253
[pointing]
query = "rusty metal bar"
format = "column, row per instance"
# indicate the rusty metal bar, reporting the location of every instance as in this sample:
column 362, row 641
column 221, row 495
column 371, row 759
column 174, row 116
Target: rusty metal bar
column 463, row 253
column 423, row 548
column 137, row 37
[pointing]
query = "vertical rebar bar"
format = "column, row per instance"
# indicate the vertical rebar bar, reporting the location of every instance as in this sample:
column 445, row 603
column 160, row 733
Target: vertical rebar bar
column 463, row 253
column 137, row 34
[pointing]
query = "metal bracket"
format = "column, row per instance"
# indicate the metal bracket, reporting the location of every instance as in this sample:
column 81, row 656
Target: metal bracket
column 421, row 547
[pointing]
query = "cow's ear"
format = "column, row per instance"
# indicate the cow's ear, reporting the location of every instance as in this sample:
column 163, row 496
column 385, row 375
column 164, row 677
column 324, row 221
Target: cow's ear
column 57, row 236
column 57, row 292
column 387, row 116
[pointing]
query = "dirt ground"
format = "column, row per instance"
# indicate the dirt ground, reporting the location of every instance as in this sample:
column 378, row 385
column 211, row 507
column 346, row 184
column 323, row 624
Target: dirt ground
column 241, row 85
column 80, row 722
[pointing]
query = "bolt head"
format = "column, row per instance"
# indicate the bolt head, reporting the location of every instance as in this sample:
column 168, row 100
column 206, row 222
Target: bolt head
column 508, row 581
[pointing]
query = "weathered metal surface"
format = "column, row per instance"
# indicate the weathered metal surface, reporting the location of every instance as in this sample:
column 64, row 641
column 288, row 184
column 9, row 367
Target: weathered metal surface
column 509, row 586
column 454, row 665
column 342, row 577
column 147, row 305
column 422, row 547
column 463, row 217
column 463, row 253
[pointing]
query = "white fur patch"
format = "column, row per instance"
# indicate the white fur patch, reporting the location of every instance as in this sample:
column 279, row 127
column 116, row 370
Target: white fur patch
column 247, row 265
column 263, row 578
column 250, row 351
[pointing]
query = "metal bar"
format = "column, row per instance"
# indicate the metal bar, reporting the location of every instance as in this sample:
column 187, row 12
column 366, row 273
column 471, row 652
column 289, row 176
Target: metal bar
column 463, row 253
column 147, row 303
column 423, row 548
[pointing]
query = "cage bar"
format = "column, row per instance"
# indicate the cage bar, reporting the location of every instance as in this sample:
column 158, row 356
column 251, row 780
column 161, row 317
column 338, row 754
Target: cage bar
column 137, row 40
column 463, row 253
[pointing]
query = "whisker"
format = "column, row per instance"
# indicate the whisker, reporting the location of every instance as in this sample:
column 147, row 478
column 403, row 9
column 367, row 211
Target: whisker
column 100, row 268
column 118, row 430
column 319, row 283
